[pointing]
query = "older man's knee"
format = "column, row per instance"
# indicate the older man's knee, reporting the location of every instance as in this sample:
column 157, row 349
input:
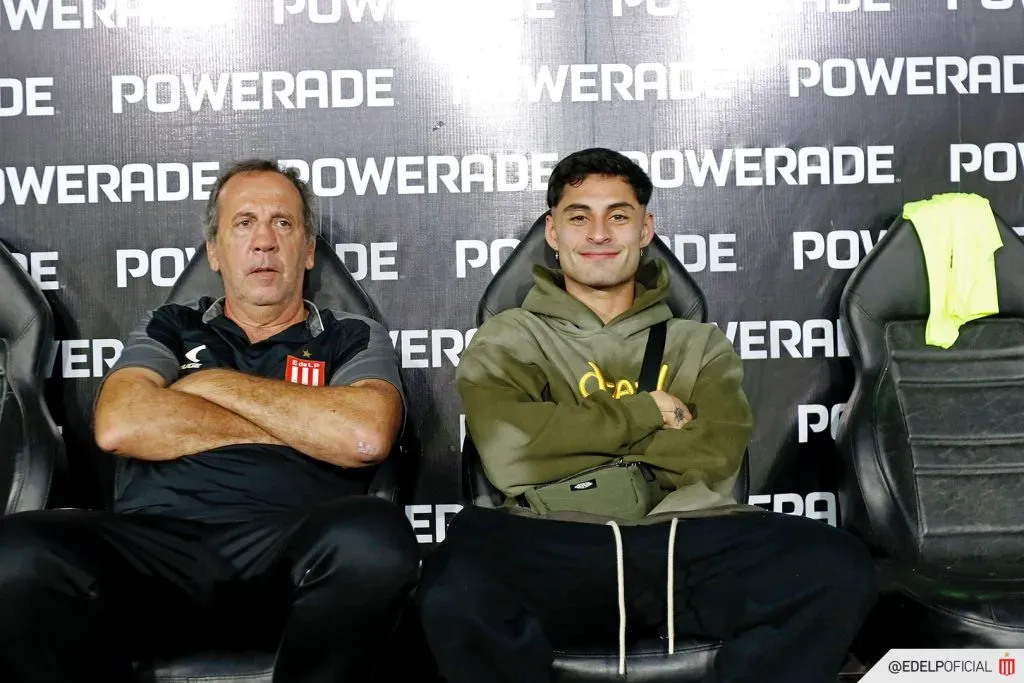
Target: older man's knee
column 366, row 545
column 29, row 553
column 33, row 567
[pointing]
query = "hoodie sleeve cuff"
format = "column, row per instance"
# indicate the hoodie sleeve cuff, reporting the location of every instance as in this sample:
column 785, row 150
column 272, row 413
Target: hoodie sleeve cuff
column 644, row 415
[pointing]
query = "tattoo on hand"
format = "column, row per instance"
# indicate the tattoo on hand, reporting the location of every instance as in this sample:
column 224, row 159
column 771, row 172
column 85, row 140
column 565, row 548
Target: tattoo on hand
column 680, row 416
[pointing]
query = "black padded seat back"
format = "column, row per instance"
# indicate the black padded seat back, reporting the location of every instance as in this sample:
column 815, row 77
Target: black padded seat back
column 932, row 440
column 513, row 281
column 951, row 428
column 509, row 287
column 11, row 428
column 32, row 458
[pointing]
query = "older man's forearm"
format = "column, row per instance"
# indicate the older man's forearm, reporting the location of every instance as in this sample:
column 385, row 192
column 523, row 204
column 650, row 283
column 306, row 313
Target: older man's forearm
column 343, row 425
column 153, row 423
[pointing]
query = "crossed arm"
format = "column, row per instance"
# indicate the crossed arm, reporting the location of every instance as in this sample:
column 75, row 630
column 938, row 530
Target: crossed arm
column 138, row 415
column 524, row 440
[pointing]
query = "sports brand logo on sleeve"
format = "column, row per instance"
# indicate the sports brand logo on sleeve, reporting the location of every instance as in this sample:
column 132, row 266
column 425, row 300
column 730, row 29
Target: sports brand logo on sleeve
column 192, row 357
column 303, row 371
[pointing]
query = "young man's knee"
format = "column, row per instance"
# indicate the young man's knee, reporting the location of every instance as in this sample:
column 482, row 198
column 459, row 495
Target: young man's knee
column 452, row 593
column 842, row 563
column 855, row 570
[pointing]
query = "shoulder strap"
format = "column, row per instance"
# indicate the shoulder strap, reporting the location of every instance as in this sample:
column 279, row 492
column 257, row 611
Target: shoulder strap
column 651, row 366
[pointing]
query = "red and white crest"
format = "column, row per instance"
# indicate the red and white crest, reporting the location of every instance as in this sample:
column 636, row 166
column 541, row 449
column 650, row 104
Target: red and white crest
column 308, row 372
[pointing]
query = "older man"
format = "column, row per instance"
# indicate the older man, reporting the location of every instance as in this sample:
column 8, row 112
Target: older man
column 246, row 427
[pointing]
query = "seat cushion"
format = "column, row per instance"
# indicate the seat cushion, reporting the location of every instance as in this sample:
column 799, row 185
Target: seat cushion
column 647, row 661
column 209, row 666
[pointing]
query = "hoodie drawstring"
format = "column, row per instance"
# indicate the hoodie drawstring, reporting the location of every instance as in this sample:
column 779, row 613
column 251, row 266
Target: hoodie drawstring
column 669, row 587
column 621, row 574
column 669, row 590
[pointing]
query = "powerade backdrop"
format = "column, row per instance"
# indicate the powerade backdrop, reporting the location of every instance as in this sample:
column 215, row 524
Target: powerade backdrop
column 782, row 137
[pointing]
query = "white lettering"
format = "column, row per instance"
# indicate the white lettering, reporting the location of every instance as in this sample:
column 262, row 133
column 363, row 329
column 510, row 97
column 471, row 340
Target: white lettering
column 1000, row 162
column 34, row 10
column 714, row 253
column 988, row 4
column 377, row 261
column 36, row 264
column 813, row 417
column 331, row 177
column 162, row 182
column 26, row 97
column 164, row 265
column 817, row 505
column 787, row 339
column 338, row 89
column 357, row 11
column 673, row 8
column 29, row 182
column 75, row 356
column 842, row 249
column 770, row 166
column 444, row 345
column 88, row 14
column 477, row 253
column 844, row 77
column 433, row 519
column 597, row 82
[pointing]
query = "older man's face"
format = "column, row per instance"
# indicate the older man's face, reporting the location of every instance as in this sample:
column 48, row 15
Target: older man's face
column 261, row 250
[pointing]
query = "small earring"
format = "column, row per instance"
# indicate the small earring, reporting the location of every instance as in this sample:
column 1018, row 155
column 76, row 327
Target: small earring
column 641, row 251
column 556, row 255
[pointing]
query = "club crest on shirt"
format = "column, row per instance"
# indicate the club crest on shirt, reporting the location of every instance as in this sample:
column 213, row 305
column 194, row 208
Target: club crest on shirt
column 304, row 371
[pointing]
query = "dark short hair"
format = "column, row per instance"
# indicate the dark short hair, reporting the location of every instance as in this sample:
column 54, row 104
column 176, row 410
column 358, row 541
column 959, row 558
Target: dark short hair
column 574, row 169
column 211, row 213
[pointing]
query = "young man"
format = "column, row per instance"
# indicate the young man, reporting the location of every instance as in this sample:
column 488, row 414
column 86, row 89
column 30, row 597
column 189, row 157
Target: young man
column 550, row 391
column 247, row 426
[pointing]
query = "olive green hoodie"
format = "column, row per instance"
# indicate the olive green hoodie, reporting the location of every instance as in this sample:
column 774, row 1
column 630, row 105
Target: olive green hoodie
column 549, row 390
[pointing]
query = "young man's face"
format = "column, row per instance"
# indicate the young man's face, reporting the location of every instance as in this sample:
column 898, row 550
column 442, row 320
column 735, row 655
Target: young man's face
column 598, row 229
column 261, row 250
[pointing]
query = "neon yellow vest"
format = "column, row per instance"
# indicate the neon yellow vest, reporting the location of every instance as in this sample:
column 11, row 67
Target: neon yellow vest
column 959, row 237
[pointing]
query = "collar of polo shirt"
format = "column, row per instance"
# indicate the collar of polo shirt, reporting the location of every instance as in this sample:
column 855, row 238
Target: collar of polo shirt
column 314, row 322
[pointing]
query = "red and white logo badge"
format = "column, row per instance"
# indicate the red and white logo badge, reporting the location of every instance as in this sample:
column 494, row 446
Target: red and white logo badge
column 308, row 372
column 1007, row 665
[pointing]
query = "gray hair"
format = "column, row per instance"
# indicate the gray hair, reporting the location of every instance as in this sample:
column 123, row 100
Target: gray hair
column 211, row 213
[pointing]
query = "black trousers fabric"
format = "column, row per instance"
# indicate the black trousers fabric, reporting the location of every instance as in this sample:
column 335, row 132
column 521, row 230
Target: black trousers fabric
column 785, row 595
column 83, row 593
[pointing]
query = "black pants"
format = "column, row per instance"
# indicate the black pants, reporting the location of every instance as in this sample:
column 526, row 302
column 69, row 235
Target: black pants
column 786, row 595
column 84, row 593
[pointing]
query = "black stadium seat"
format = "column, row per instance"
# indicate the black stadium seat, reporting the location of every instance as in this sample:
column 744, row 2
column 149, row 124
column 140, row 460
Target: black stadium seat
column 932, row 452
column 33, row 466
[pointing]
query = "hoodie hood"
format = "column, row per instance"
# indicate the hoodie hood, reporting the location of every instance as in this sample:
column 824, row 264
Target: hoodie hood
column 549, row 299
